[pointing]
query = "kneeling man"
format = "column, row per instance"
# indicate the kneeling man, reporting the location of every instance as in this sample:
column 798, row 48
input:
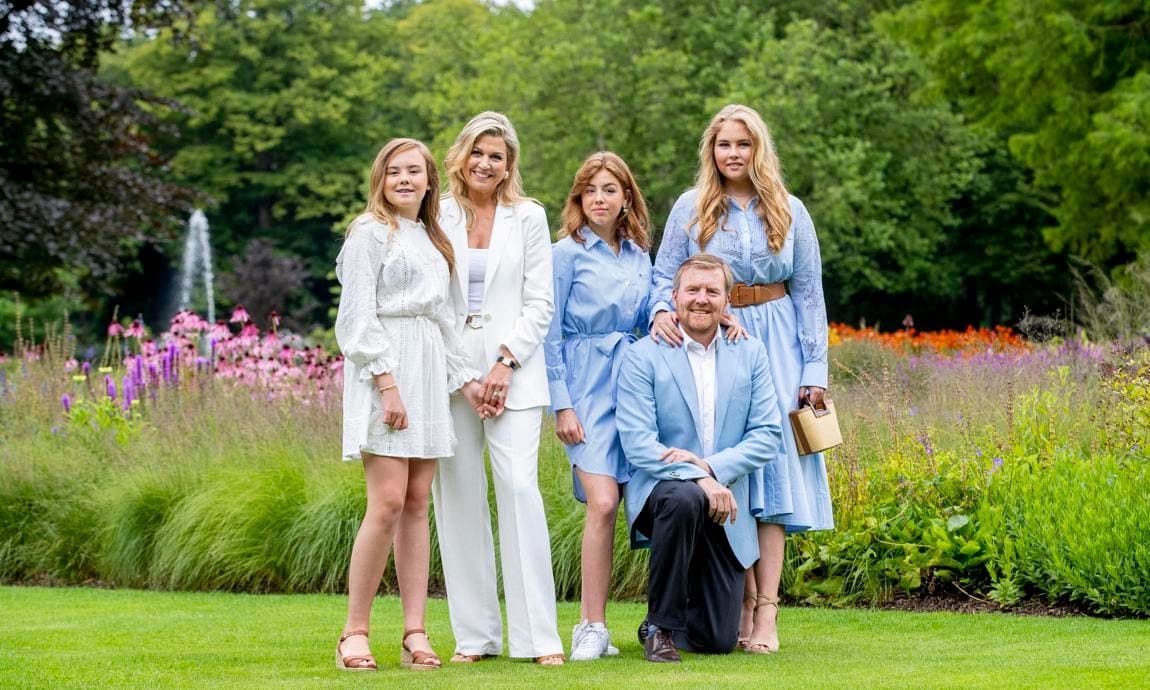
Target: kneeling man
column 694, row 421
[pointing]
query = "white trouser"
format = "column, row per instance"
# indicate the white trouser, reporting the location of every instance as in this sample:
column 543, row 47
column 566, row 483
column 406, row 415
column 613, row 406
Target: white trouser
column 463, row 523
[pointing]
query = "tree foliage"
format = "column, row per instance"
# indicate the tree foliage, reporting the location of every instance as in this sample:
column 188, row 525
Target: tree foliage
column 1068, row 83
column 934, row 141
column 285, row 104
column 81, row 184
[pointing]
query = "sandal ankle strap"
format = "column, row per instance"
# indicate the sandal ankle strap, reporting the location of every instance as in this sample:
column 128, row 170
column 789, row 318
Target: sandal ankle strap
column 414, row 631
column 351, row 633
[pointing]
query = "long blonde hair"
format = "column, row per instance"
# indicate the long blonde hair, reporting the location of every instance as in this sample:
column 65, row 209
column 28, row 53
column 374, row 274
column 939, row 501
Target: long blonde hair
column 509, row 191
column 633, row 223
column 774, row 207
column 379, row 208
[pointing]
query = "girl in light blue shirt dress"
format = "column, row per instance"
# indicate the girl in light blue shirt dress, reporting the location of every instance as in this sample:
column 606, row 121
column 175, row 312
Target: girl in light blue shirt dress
column 602, row 281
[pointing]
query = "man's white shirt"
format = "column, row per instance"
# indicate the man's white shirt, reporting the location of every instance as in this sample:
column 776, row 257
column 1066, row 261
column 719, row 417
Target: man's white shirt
column 702, row 361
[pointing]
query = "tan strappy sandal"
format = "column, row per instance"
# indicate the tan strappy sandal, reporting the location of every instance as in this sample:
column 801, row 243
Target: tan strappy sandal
column 741, row 643
column 417, row 661
column 550, row 660
column 363, row 662
column 770, row 646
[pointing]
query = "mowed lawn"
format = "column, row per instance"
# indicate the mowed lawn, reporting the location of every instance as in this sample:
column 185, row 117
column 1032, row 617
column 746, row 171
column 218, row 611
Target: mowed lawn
column 123, row 638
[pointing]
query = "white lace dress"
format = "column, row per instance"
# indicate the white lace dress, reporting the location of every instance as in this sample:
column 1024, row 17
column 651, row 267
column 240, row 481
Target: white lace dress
column 395, row 315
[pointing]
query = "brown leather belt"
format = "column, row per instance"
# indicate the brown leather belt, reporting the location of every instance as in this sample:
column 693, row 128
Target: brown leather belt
column 743, row 295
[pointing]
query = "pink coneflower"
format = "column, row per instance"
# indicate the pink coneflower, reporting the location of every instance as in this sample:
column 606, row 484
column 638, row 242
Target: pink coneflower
column 136, row 330
column 220, row 331
column 115, row 329
column 240, row 315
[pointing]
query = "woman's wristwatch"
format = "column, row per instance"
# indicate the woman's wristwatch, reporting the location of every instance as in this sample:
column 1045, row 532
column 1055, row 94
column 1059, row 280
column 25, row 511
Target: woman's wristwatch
column 507, row 362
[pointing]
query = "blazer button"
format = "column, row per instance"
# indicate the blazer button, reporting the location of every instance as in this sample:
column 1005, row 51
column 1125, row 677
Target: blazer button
column 487, row 316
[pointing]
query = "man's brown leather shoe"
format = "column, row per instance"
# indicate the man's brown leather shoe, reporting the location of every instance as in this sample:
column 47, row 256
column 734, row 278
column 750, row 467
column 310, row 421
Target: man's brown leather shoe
column 657, row 644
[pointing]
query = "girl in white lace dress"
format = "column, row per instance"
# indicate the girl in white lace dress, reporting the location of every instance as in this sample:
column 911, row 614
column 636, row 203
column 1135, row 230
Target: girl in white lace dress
column 402, row 359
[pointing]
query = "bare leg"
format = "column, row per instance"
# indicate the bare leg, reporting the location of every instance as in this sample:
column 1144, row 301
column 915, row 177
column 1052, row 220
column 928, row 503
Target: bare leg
column 745, row 618
column 768, row 572
column 598, row 543
column 386, row 480
column 413, row 551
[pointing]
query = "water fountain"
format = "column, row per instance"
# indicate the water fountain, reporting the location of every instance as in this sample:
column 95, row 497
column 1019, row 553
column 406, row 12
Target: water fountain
column 197, row 263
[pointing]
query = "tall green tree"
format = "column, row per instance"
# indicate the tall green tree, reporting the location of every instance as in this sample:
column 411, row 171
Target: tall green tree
column 1067, row 82
column 285, row 103
column 879, row 166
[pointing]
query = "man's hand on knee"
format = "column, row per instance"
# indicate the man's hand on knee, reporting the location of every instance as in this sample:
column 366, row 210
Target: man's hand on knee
column 720, row 501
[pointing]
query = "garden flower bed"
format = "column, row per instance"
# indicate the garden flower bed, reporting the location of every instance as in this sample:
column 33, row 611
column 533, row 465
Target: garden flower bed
column 976, row 463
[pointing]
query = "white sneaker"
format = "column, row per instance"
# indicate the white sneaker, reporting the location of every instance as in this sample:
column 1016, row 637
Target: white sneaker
column 612, row 650
column 577, row 634
column 591, row 643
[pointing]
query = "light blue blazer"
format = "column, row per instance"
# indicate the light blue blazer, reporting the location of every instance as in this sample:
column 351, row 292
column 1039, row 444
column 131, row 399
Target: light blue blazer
column 658, row 409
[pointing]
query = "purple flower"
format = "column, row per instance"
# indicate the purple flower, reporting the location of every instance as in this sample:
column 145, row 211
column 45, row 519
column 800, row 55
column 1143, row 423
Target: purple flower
column 110, row 387
column 86, row 368
column 998, row 462
column 66, row 403
column 926, row 444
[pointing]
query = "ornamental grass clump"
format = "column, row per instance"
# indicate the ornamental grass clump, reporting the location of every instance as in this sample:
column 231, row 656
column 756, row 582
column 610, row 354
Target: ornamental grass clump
column 1000, row 473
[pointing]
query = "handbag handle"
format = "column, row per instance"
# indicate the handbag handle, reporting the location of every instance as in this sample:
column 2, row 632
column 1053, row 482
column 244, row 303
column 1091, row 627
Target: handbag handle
column 818, row 411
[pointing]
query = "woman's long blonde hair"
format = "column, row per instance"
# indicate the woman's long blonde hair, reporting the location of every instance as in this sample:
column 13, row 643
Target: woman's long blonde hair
column 379, row 208
column 510, row 190
column 774, row 207
column 633, row 223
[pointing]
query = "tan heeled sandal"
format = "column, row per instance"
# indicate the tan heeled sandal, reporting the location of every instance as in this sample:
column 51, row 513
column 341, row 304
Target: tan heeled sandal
column 417, row 661
column 742, row 642
column 550, row 660
column 770, row 646
column 355, row 662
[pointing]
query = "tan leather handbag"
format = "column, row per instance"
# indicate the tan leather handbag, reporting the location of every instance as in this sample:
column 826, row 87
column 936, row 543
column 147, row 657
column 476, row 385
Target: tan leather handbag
column 816, row 430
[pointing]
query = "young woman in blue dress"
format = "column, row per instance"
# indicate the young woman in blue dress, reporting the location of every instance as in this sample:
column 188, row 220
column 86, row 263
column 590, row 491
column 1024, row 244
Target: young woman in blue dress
column 740, row 210
column 602, row 275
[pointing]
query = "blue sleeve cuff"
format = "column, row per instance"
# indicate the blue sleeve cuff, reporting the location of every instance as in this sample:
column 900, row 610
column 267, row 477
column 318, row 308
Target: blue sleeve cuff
column 560, row 396
column 814, row 374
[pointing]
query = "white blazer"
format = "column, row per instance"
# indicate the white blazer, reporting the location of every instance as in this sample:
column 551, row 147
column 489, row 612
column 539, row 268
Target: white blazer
column 518, row 296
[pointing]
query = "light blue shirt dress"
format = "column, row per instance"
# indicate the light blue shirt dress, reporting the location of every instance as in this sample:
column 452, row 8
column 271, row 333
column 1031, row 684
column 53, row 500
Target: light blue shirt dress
column 600, row 309
column 792, row 490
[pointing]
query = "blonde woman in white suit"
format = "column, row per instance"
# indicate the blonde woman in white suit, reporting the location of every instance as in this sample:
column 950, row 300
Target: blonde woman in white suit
column 503, row 250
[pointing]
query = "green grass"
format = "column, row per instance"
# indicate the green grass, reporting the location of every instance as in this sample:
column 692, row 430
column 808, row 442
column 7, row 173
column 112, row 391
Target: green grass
column 118, row 638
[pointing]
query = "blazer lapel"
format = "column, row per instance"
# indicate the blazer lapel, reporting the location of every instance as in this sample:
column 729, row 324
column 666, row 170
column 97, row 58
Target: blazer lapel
column 676, row 358
column 458, row 236
column 500, row 229
column 726, row 369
